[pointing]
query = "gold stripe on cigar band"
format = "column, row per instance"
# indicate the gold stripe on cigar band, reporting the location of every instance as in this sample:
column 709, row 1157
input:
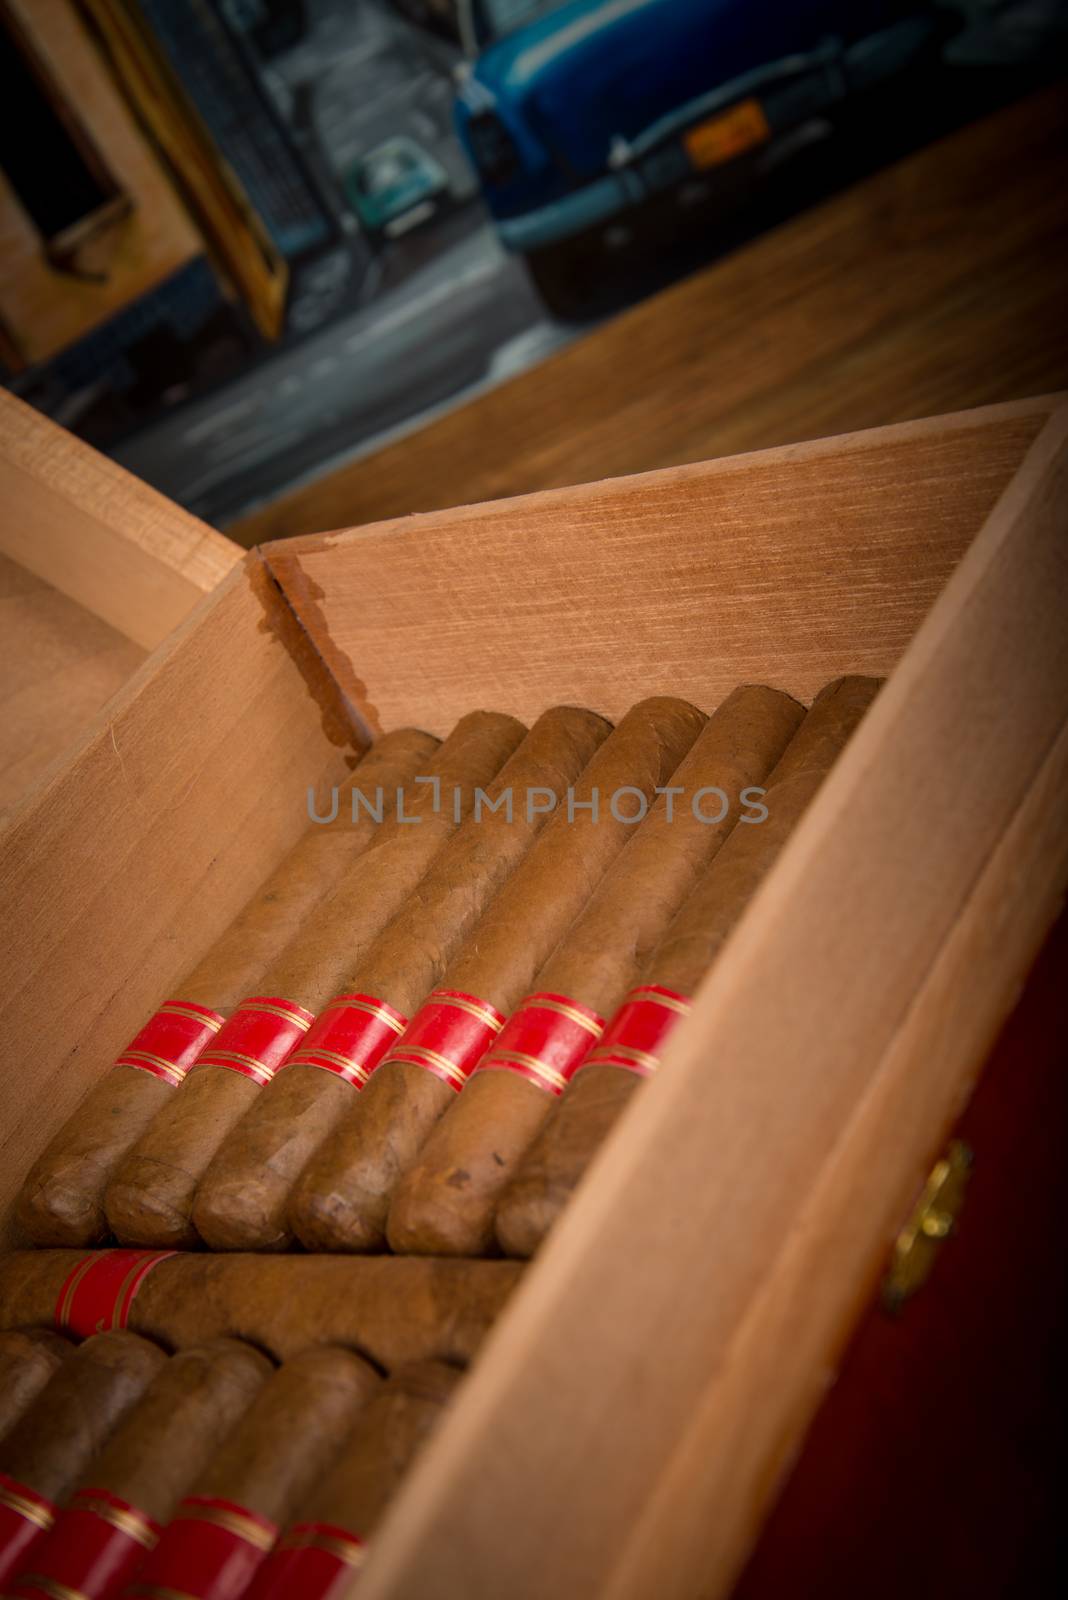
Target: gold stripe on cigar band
column 28, row 1510
column 64, row 1307
column 303, row 1023
column 472, row 1008
column 133, row 1057
column 596, row 1028
column 223, row 1058
column 604, row 1057
column 127, row 1520
column 653, row 997
column 353, row 1555
column 50, row 1586
column 173, row 1009
column 554, row 1079
column 344, row 1001
column 118, row 1309
column 232, row 1521
column 412, row 1054
column 307, row 1058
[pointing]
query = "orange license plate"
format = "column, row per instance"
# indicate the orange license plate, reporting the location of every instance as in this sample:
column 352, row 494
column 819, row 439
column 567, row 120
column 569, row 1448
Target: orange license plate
column 722, row 138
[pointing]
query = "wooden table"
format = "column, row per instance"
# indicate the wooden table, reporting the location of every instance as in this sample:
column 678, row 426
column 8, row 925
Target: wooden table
column 934, row 286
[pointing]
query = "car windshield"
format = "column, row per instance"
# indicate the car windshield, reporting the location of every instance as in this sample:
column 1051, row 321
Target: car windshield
column 495, row 18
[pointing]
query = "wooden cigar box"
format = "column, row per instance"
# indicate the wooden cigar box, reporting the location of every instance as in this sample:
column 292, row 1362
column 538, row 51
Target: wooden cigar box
column 631, row 1418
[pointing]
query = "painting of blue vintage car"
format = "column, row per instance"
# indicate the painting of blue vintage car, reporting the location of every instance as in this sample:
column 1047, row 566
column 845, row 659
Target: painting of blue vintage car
column 577, row 114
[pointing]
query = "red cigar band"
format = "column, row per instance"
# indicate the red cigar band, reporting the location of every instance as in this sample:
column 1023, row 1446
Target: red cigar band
column 210, row 1551
column 258, row 1037
column 314, row 1560
column 544, row 1040
column 25, row 1517
column 350, row 1037
column 636, row 1035
column 96, row 1545
column 448, row 1035
column 97, row 1294
column 171, row 1041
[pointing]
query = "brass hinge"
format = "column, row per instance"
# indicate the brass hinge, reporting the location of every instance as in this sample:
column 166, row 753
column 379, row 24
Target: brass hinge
column 932, row 1221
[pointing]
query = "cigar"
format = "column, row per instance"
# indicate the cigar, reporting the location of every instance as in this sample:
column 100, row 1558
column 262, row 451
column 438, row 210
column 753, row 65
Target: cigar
column 113, row 1518
column 445, row 1203
column 389, row 1310
column 341, row 1200
column 50, row 1446
column 28, row 1358
column 149, row 1199
column 318, row 1554
column 632, row 1044
column 230, row 1518
column 241, row 1201
column 62, row 1200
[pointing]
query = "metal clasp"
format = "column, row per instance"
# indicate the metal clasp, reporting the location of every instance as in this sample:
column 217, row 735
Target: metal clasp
column 932, row 1221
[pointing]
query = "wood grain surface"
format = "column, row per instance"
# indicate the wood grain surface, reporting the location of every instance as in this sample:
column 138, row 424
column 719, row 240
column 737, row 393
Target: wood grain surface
column 786, row 567
column 96, row 569
column 98, row 534
column 58, row 666
column 935, row 285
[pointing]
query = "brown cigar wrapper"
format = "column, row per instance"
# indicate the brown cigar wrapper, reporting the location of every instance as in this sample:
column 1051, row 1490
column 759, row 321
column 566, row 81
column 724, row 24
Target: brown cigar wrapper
column 712, row 911
column 292, row 1432
column 28, row 1359
column 253, row 944
column 559, row 1155
column 342, row 1198
column 62, row 1200
column 559, row 875
column 593, row 1103
column 241, row 1201
column 62, row 1432
column 150, row 1198
column 388, row 1436
column 445, row 1203
column 177, row 1426
column 392, row 1311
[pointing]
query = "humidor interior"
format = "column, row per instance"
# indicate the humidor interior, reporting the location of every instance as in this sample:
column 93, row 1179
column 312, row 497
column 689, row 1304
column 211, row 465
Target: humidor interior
column 95, row 571
column 768, row 1165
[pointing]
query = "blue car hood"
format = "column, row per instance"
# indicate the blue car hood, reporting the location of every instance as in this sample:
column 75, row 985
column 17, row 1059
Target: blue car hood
column 594, row 69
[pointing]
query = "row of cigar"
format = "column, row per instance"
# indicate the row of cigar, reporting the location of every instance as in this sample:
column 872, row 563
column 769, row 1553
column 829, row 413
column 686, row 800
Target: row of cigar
column 210, row 1474
column 304, row 1087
